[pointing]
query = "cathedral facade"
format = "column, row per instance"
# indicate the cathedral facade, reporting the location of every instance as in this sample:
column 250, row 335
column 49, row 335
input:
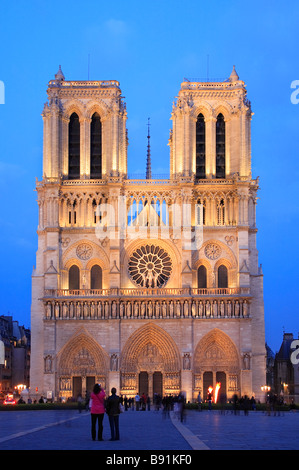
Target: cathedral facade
column 147, row 285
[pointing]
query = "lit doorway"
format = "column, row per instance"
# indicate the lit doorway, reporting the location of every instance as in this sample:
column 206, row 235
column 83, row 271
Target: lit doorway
column 158, row 383
column 143, row 383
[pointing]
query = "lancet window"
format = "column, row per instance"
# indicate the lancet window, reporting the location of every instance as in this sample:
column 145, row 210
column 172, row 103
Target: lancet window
column 220, row 146
column 200, row 147
column 202, row 277
column 221, row 212
column 96, row 277
column 74, row 147
column 222, row 276
column 74, row 277
column 200, row 209
column 96, row 147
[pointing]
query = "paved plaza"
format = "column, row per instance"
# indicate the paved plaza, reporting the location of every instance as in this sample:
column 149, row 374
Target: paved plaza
column 151, row 431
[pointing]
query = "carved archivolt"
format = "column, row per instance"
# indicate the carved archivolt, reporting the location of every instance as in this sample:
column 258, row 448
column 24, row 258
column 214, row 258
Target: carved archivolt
column 150, row 348
column 82, row 355
column 216, row 350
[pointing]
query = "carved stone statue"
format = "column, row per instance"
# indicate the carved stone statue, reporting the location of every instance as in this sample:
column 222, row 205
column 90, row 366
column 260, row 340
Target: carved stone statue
column 208, row 309
column 245, row 309
column 106, row 310
column 186, row 309
column 171, row 308
column 121, row 310
column 186, row 361
column 129, row 310
column 164, row 309
column 136, row 309
column 142, row 310
column 200, row 309
column 92, row 310
column 99, row 310
column 193, row 309
column 48, row 311
column 150, row 309
column 71, row 310
column 178, row 309
column 246, row 361
column 57, row 310
column 114, row 362
column 113, row 309
column 157, row 310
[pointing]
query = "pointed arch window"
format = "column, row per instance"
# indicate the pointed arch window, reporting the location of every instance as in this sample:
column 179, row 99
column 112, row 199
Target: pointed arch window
column 202, row 277
column 74, row 277
column 220, row 146
column 222, row 276
column 96, row 147
column 74, row 147
column 200, row 147
column 96, row 277
column 221, row 212
column 200, row 209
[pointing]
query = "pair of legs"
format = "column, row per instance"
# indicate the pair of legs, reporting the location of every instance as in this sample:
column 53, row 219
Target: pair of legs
column 114, row 427
column 94, row 419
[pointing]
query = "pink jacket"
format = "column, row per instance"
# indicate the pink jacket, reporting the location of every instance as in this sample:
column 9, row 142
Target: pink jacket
column 98, row 402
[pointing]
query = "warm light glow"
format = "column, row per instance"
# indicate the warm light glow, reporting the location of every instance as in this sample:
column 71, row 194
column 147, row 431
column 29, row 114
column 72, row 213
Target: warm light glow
column 217, row 388
column 20, row 387
column 216, row 391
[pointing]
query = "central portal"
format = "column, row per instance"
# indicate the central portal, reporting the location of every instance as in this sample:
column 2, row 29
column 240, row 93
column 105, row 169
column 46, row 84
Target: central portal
column 150, row 383
column 150, row 363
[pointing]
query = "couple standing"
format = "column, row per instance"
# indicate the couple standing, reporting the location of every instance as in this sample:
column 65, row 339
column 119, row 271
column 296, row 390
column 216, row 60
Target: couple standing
column 98, row 407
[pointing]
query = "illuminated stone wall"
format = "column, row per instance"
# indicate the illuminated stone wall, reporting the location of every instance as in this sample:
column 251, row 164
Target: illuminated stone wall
column 148, row 238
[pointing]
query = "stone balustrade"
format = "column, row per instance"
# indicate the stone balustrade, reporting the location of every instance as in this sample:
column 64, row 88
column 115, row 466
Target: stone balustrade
column 147, row 292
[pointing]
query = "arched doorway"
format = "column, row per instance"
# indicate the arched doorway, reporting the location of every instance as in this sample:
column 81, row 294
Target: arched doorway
column 81, row 363
column 216, row 361
column 150, row 363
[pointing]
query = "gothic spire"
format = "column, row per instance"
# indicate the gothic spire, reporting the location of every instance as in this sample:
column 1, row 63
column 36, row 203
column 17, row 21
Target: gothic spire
column 148, row 159
column 59, row 75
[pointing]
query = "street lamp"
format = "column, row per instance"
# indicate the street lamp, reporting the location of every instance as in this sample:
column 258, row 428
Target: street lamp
column 266, row 389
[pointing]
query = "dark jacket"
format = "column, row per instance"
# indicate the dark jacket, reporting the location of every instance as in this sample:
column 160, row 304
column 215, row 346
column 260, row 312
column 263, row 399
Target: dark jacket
column 112, row 405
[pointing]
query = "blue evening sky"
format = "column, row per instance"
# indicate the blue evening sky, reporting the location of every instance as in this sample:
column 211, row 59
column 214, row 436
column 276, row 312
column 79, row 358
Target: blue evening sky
column 149, row 47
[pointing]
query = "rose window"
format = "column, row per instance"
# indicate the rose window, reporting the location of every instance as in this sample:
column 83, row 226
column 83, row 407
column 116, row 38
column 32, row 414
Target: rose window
column 150, row 266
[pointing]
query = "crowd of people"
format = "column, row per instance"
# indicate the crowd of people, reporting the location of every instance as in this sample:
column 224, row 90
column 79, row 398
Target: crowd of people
column 99, row 404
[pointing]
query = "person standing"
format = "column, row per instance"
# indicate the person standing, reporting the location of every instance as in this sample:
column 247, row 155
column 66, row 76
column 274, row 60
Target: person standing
column 97, row 411
column 137, row 401
column 112, row 410
column 199, row 401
